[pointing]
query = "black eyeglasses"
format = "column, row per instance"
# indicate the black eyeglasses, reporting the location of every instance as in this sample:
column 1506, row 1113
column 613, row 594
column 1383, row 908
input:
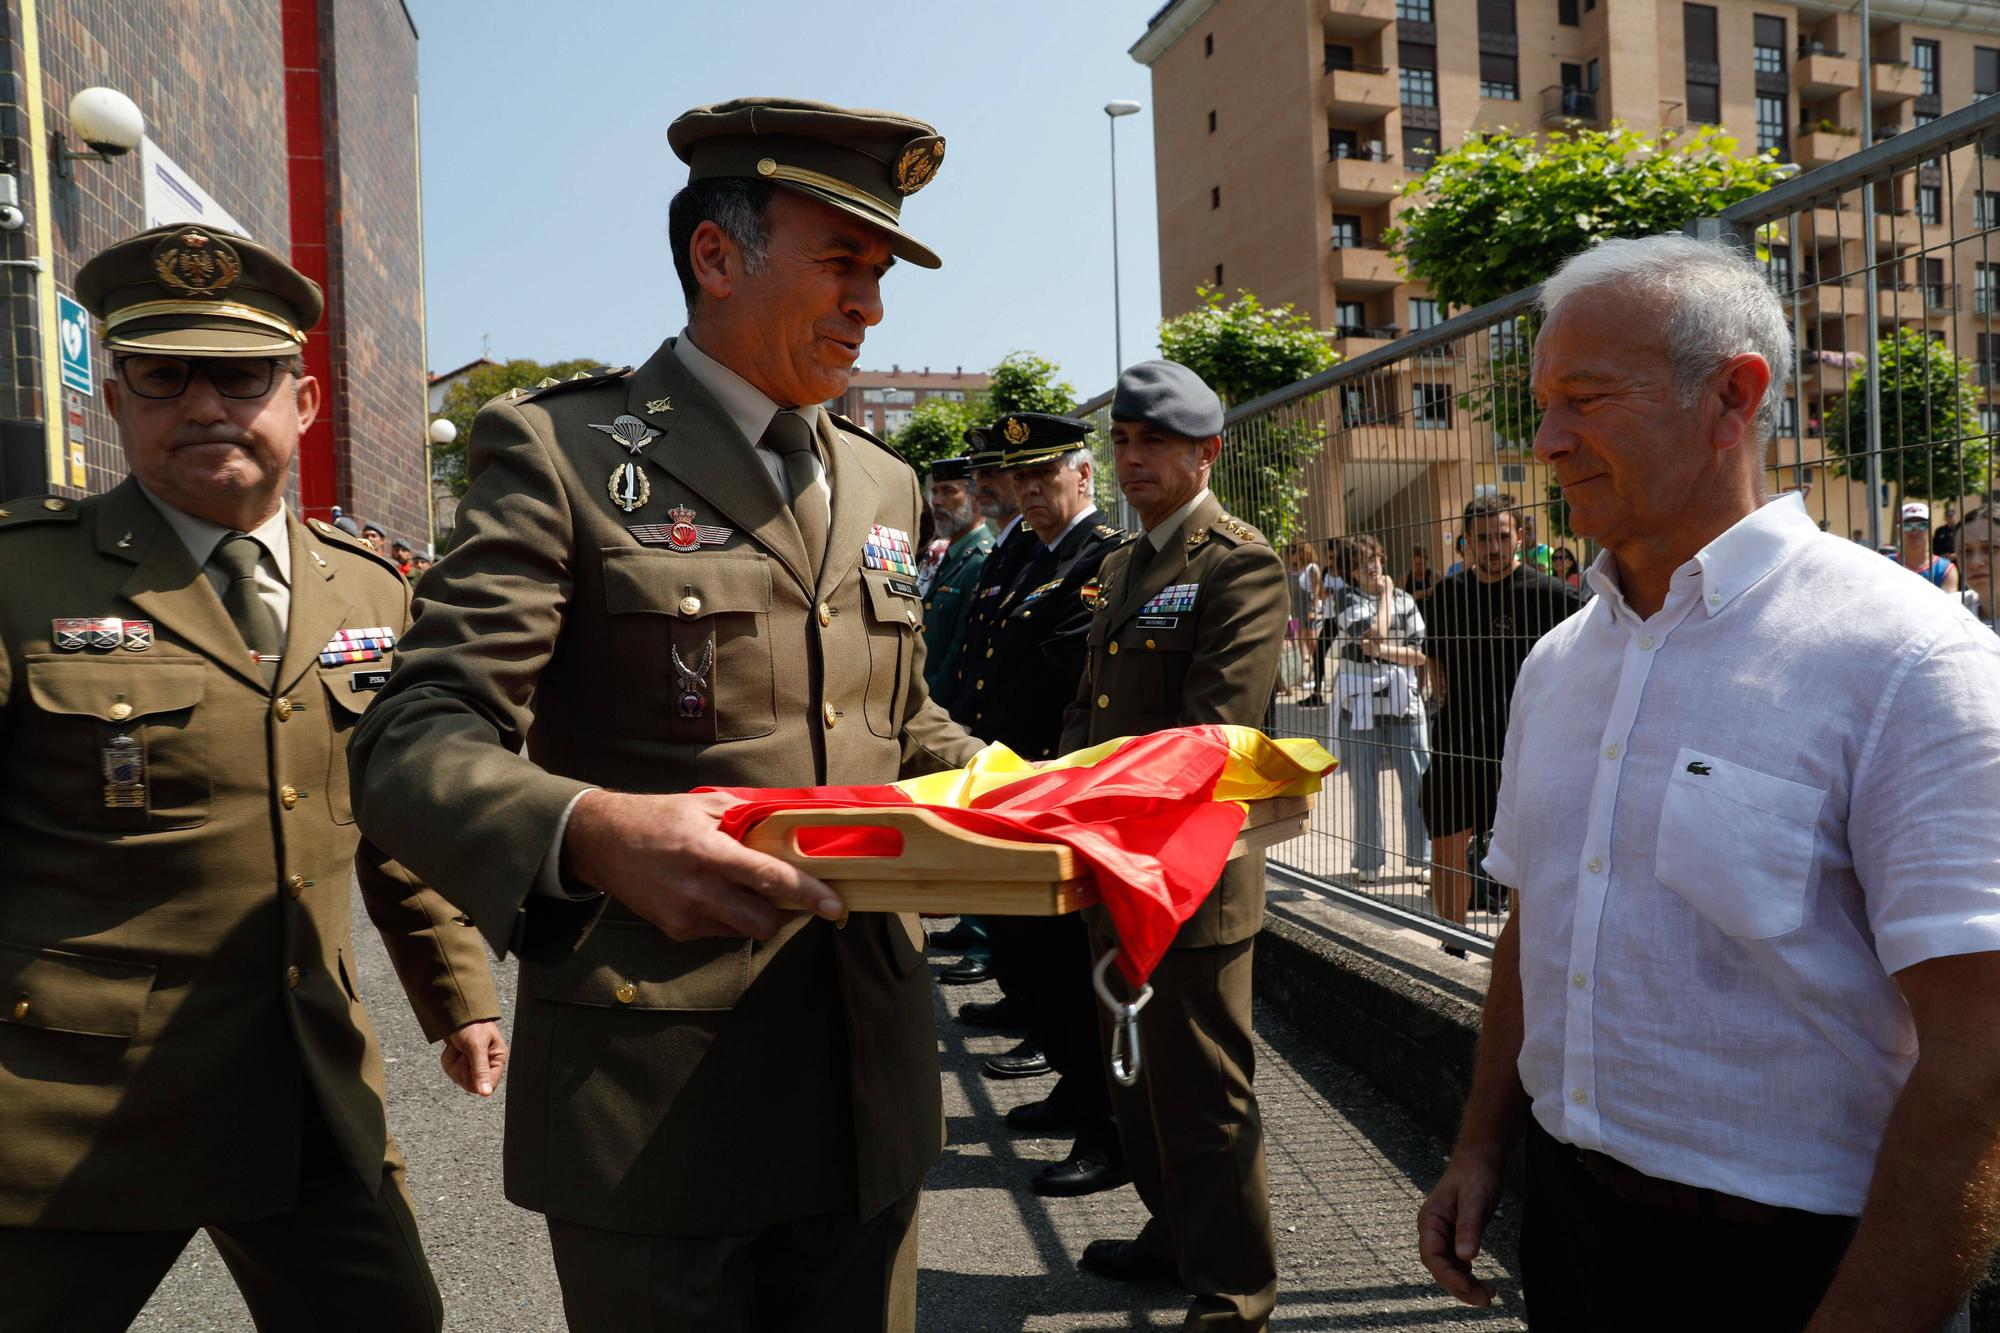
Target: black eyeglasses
column 240, row 377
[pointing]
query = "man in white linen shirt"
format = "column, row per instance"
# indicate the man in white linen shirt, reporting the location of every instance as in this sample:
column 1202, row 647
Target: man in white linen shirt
column 1745, row 1008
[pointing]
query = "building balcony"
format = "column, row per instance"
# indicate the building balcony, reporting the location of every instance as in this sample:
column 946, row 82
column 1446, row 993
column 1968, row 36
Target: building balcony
column 1892, row 81
column 1561, row 105
column 1910, row 302
column 1818, row 144
column 1360, row 92
column 1828, row 300
column 1357, row 18
column 1898, row 231
column 1362, row 180
column 1351, row 340
column 1825, row 73
column 1986, row 301
column 1361, row 268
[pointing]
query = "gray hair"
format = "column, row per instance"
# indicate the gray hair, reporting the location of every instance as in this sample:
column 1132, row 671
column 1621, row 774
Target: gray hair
column 739, row 207
column 1717, row 306
column 1077, row 457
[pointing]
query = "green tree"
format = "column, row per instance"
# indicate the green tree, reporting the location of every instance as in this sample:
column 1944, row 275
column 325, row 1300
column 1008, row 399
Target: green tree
column 936, row 430
column 1024, row 382
column 1932, row 446
column 1501, row 211
column 464, row 399
column 1245, row 349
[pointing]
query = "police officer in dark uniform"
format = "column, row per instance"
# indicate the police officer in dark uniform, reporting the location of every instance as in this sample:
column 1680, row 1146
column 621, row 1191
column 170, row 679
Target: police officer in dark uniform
column 1038, row 645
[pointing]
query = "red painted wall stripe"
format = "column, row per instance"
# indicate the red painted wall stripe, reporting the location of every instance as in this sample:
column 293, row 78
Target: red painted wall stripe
column 306, row 168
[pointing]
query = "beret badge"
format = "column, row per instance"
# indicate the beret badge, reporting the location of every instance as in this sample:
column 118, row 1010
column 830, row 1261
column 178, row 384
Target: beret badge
column 195, row 262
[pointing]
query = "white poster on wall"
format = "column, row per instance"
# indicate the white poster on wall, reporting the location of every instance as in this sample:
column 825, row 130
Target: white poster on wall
column 172, row 196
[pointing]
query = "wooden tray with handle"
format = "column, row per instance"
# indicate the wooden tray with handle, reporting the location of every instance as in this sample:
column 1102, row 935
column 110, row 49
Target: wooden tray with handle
column 942, row 868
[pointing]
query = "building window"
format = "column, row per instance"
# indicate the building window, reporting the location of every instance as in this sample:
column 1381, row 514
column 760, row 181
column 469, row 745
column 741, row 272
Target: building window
column 1350, row 316
column 1930, row 203
column 1986, row 209
column 1704, row 92
column 1424, row 313
column 1768, row 55
column 1986, row 289
column 1989, row 420
column 1924, row 55
column 1208, row 45
column 1982, row 370
column 1499, row 77
column 1771, row 123
column 1780, row 269
column 1420, row 149
column 1416, row 11
column 1346, row 231
column 1419, row 86
column 1591, row 72
column 1566, row 13
column 1788, row 416
column 1211, row 122
column 1431, row 406
column 1215, row 196
column 1985, row 71
column 1704, row 103
column 1218, row 277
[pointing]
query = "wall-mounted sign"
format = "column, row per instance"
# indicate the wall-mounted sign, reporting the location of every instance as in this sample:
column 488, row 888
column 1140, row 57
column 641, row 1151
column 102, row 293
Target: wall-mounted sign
column 73, row 342
column 171, row 195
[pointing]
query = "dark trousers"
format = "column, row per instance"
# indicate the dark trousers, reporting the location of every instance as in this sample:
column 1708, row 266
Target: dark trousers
column 1594, row 1258
column 341, row 1260
column 1194, row 1138
column 833, row 1273
column 1047, row 961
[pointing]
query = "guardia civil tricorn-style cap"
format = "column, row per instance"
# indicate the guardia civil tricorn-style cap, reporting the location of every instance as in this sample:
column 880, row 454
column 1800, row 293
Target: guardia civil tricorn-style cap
column 861, row 162
column 185, row 290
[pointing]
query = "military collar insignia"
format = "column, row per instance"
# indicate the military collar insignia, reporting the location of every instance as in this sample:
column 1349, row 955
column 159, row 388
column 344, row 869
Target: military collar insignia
column 1196, row 538
column 658, row 405
column 681, row 534
column 196, row 263
column 629, row 431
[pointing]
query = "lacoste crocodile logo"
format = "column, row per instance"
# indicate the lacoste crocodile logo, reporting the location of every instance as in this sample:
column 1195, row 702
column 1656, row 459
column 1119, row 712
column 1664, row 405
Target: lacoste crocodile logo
column 1699, row 770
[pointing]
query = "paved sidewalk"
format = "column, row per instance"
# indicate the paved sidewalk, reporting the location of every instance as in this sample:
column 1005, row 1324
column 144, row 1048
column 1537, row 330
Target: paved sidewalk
column 1347, row 1172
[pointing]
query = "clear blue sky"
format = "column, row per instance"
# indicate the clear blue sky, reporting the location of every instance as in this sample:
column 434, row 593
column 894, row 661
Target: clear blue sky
column 547, row 171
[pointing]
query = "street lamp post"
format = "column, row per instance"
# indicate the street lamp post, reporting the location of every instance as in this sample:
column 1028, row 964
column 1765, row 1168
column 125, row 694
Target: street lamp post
column 1113, row 110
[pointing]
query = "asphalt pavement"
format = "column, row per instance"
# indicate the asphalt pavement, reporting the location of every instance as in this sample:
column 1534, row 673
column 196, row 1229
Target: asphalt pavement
column 1347, row 1171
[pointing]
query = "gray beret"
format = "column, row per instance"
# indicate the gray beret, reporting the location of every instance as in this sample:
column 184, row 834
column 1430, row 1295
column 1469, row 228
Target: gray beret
column 1168, row 395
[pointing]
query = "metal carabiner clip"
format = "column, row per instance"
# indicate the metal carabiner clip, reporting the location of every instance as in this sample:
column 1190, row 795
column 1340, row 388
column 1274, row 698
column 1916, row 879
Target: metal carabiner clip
column 1124, row 1022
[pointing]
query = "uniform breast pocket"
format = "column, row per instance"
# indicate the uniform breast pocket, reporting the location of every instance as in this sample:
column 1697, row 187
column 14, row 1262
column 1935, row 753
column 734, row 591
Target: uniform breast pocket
column 699, row 625
column 119, row 741
column 893, row 618
column 1156, row 657
column 349, row 691
column 1738, row 844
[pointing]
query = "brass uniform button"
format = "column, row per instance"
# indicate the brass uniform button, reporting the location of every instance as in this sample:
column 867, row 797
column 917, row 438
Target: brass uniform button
column 825, row 614
column 690, row 605
column 1104, row 701
column 827, row 714
column 284, row 709
column 626, row 992
column 55, row 506
column 295, row 886
column 1111, row 648
column 978, row 684
column 989, row 652
column 913, row 617
column 288, row 796
column 1151, row 644
column 292, row 977
column 120, row 711
column 20, row 1008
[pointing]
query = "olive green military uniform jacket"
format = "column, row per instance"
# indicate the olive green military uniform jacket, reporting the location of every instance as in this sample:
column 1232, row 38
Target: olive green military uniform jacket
column 1216, row 661
column 662, row 1087
column 949, row 600
column 175, row 970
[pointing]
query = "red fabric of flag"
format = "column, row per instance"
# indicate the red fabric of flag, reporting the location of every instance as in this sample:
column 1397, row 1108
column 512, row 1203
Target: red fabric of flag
column 1143, row 819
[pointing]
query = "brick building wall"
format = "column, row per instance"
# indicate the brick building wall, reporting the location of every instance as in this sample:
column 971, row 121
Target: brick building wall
column 210, row 77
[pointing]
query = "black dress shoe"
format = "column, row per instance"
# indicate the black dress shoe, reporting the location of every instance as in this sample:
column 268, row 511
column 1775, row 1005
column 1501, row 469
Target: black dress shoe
column 967, row 971
column 1025, row 1061
column 958, row 939
column 1087, row 1171
column 1127, row 1261
column 1001, row 1013
column 1046, row 1118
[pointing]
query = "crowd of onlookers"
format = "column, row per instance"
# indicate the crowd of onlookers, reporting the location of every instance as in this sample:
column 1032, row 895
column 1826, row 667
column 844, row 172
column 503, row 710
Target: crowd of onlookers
column 400, row 553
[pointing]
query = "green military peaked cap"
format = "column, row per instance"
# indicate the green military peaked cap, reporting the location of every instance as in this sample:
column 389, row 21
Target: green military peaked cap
column 861, row 162
column 188, row 290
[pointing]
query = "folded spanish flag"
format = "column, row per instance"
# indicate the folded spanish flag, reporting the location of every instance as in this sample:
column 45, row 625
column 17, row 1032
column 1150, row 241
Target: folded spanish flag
column 1152, row 816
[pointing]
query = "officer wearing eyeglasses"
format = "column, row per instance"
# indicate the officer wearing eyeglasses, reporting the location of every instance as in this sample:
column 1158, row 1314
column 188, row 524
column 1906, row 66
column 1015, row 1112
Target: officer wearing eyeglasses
column 181, row 1042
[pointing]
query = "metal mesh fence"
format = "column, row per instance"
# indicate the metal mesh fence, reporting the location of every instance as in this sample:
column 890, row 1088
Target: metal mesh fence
column 1414, row 460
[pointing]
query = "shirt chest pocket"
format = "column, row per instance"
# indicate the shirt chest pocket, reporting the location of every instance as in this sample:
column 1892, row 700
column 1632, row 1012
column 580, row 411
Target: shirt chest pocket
column 893, row 619
column 120, row 743
column 1738, row 844
column 695, row 632
column 1154, row 659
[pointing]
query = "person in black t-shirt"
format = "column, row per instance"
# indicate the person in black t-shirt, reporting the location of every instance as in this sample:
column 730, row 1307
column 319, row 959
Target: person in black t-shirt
column 1483, row 621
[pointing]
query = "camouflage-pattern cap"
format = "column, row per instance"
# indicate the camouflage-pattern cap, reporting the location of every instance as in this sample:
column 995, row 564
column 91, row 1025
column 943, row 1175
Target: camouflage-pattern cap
column 1037, row 437
column 185, row 290
column 861, row 162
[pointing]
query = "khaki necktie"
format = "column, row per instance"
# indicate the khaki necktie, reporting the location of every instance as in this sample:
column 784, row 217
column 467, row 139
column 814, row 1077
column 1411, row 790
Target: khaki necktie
column 790, row 436
column 236, row 556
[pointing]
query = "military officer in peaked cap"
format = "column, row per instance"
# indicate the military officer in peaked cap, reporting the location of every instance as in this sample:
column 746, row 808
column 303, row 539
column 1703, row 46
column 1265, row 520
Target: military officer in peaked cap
column 181, row 663
column 1037, row 648
column 1188, row 629
column 692, row 574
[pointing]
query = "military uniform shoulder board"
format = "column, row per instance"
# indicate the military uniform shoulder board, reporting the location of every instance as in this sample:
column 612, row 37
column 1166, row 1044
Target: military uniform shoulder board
column 1235, row 529
column 30, row 509
column 852, row 429
column 1109, row 533
column 357, row 545
column 552, row 386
